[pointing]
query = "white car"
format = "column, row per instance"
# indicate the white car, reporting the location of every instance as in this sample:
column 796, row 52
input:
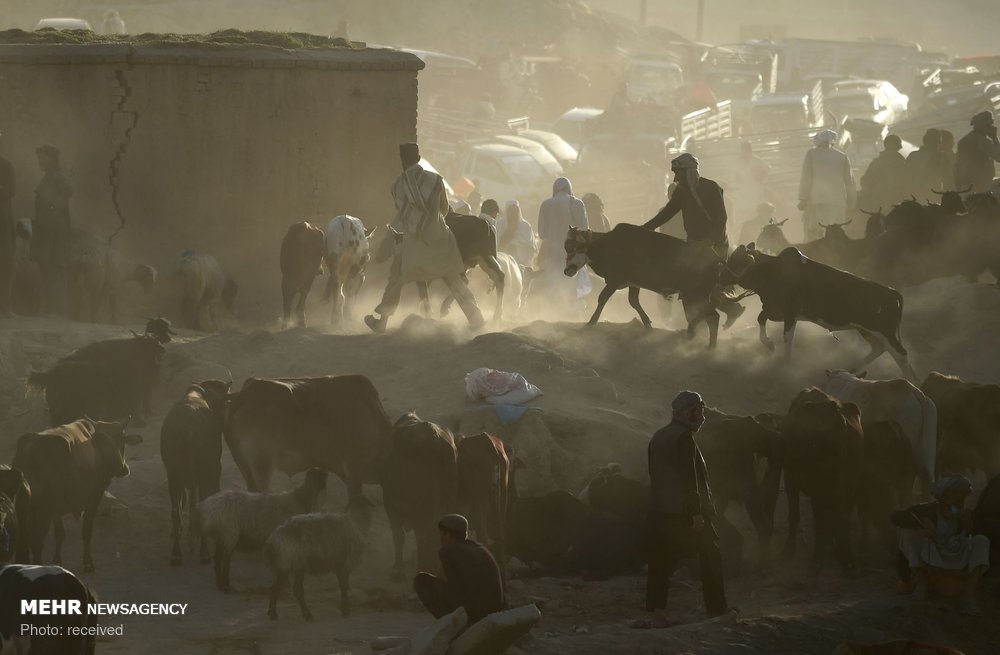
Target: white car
column 876, row 100
column 505, row 172
column 571, row 126
column 63, row 24
column 564, row 153
column 536, row 150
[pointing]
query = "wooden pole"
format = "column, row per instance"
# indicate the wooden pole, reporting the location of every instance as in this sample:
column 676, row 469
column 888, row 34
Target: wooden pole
column 700, row 27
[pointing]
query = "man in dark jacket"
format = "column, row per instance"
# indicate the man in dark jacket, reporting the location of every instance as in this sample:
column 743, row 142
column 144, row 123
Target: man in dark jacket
column 471, row 580
column 923, row 167
column 52, row 232
column 977, row 152
column 703, row 210
column 884, row 183
column 8, row 241
column 681, row 511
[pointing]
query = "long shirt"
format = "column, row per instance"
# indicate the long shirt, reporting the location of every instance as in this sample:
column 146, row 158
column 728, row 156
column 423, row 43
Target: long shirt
column 678, row 479
column 704, row 220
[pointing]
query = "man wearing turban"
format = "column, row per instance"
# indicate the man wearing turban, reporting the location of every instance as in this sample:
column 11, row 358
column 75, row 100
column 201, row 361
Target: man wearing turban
column 826, row 188
column 977, row 152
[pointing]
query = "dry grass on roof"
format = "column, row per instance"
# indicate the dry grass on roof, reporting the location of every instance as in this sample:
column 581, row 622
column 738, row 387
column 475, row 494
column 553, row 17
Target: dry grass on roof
column 216, row 40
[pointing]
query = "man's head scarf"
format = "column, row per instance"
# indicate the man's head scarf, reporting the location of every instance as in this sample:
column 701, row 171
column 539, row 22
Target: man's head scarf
column 950, row 484
column 982, row 119
column 687, row 163
column 562, row 185
column 825, row 136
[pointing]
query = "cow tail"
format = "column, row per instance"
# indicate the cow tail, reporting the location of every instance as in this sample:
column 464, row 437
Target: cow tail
column 928, row 435
column 895, row 318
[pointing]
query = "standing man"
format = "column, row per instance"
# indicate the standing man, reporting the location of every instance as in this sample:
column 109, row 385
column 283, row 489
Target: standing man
column 699, row 201
column 924, row 167
column 8, row 240
column 977, row 152
column 52, row 231
column 471, row 580
column 681, row 511
column 428, row 249
column 489, row 213
column 883, row 185
column 947, row 173
column 598, row 220
column 555, row 216
column 826, row 188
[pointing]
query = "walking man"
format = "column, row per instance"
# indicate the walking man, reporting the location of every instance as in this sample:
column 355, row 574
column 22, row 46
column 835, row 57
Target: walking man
column 977, row 152
column 826, row 188
column 680, row 511
column 428, row 250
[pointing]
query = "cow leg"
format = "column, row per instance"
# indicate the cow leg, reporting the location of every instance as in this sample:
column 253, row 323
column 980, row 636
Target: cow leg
column 88, row 531
column 824, row 535
column 300, row 309
column 712, row 318
column 794, row 516
column 840, row 525
column 300, row 595
column 602, row 299
column 756, row 513
column 492, row 268
column 176, row 498
column 633, row 299
column 762, row 324
column 425, row 301
column 189, row 312
column 60, row 534
column 287, row 294
column 877, row 348
column 354, row 288
column 220, row 555
column 344, row 580
column 446, row 305
column 204, row 557
column 789, row 335
column 398, row 541
column 280, row 577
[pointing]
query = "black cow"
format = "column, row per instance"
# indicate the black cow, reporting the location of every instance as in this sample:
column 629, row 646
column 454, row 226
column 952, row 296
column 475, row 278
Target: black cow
column 835, row 248
column 69, row 468
column 15, row 500
column 105, row 380
column 634, row 257
column 735, row 448
column 823, row 451
column 951, row 202
column 19, row 582
column 793, row 288
column 772, row 239
column 191, row 450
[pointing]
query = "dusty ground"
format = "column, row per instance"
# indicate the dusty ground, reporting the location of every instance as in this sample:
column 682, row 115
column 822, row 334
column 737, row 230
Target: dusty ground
column 605, row 391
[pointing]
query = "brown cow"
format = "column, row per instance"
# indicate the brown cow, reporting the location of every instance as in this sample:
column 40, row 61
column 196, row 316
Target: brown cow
column 69, row 468
column 483, row 470
column 968, row 424
column 419, row 478
column 292, row 424
column 301, row 262
column 823, row 457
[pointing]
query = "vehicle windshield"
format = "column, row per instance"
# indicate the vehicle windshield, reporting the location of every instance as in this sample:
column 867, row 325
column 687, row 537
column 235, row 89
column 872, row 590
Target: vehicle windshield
column 525, row 170
column 775, row 118
column 851, row 105
column 653, row 83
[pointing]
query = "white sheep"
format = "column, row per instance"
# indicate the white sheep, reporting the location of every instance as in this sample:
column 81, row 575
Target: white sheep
column 243, row 520
column 317, row 543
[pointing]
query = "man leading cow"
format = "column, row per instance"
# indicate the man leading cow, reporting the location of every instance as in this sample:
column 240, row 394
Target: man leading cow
column 429, row 250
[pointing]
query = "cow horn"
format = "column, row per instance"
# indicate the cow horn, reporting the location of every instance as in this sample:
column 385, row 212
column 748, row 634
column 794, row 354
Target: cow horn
column 940, row 193
column 966, row 189
column 782, row 222
column 849, row 221
column 824, row 225
column 867, row 213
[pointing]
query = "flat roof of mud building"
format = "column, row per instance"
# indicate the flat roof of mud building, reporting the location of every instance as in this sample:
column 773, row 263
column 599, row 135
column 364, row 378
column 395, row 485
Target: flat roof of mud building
column 203, row 50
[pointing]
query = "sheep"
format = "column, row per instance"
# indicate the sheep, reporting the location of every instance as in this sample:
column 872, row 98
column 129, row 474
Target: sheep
column 317, row 543
column 191, row 450
column 95, row 274
column 202, row 285
column 237, row 519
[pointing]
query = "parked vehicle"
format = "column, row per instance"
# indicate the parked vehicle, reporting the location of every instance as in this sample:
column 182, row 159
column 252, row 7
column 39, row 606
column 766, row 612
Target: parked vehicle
column 572, row 126
column 63, row 24
column 504, row 171
column 876, row 100
column 564, row 153
column 535, row 149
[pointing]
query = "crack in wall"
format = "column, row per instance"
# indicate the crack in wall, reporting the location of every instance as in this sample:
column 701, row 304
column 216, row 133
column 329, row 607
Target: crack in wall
column 124, row 92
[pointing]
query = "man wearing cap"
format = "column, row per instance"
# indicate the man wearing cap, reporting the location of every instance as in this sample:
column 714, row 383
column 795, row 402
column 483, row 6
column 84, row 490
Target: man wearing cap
column 471, row 580
column 977, row 152
column 883, row 185
column 8, row 240
column 940, row 534
column 703, row 211
column 826, row 188
column 50, row 241
column 681, row 510
column 428, row 251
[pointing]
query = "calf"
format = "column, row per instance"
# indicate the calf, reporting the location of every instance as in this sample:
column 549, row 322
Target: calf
column 951, row 202
column 69, row 468
column 477, row 243
column 203, row 286
column 897, row 401
column 637, row 258
column 301, row 261
column 15, row 500
column 24, row 583
column 793, row 288
column 419, row 476
column 191, row 450
column 483, row 470
column 734, row 448
column 968, row 424
column 823, row 456
column 346, row 255
column 96, row 272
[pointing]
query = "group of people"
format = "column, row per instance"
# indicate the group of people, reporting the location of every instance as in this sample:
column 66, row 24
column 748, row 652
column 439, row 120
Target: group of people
column 936, row 166
column 51, row 231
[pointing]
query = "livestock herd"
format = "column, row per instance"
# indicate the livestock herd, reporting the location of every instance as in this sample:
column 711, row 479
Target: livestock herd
column 849, row 444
